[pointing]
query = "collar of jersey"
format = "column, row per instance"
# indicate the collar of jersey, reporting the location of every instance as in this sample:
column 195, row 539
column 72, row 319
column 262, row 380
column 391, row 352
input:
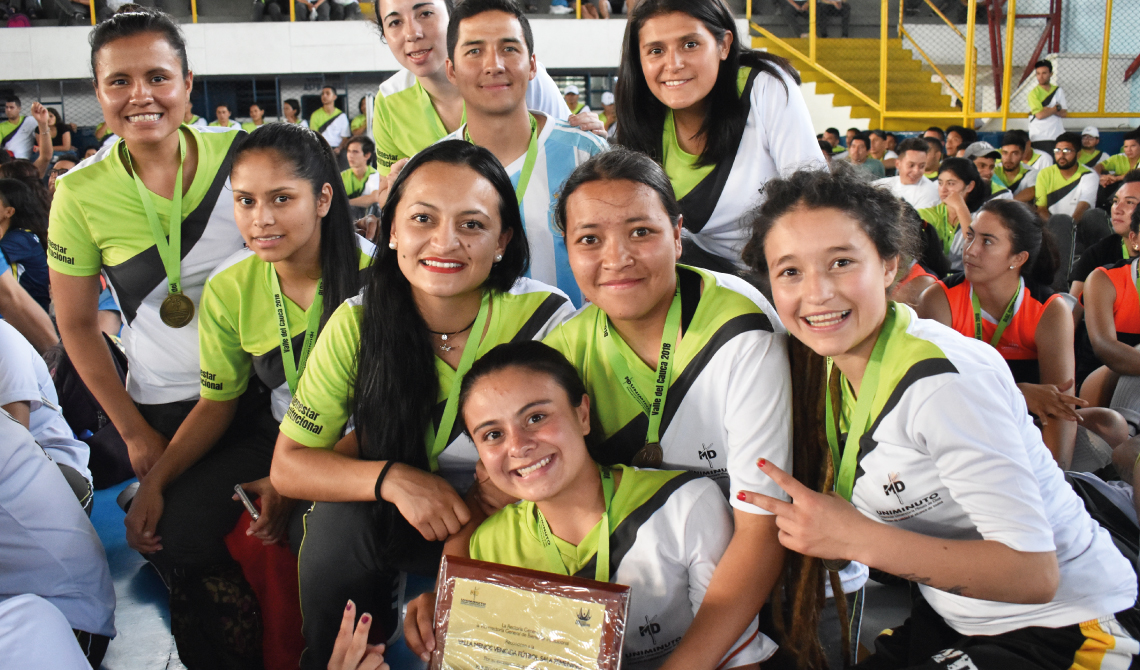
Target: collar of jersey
column 204, row 175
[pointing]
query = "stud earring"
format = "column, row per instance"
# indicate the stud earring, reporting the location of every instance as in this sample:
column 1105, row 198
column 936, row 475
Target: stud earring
column 498, row 257
column 392, row 244
column 1011, row 267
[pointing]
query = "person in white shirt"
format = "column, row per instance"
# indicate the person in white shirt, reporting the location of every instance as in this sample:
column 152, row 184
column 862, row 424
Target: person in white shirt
column 910, row 184
column 17, row 133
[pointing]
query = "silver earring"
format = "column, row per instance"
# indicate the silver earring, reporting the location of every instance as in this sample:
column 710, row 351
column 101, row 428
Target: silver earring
column 498, row 257
column 392, row 244
column 1011, row 267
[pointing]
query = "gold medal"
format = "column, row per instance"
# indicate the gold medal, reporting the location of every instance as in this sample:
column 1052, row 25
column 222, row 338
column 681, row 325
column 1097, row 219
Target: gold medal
column 836, row 564
column 177, row 311
column 650, row 456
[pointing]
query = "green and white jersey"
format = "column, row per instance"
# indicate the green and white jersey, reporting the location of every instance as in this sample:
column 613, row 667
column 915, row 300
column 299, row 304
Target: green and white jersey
column 98, row 224
column 953, row 241
column 357, row 186
column 19, row 137
column 1061, row 195
column 334, row 127
column 404, row 122
column 322, row 406
column 1025, row 177
column 729, row 403
column 952, row 453
column 778, row 139
column 1091, row 157
column 1038, row 160
column 1047, row 129
column 668, row 532
column 359, row 121
column 250, row 126
column 561, row 149
column 196, row 121
column 233, row 125
column 238, row 335
column 1120, row 164
column 920, row 195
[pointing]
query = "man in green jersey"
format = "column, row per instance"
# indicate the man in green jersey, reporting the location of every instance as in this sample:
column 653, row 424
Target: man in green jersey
column 1011, row 173
column 1065, row 192
column 1113, row 169
column 17, row 132
column 572, row 95
column 1090, row 155
column 1047, row 108
column 361, row 181
column 331, row 122
column 257, row 118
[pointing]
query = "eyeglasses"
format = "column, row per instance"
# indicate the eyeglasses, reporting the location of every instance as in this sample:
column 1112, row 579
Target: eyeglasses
column 1064, row 151
column 59, row 172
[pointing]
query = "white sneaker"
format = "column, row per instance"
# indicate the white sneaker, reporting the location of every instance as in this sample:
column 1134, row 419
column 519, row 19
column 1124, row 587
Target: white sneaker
column 560, row 9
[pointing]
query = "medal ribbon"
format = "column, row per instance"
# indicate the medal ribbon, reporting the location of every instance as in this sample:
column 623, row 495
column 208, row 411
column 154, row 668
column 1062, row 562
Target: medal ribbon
column 1005, row 318
column 293, row 367
column 528, row 164
column 846, row 462
column 654, row 407
column 439, row 439
column 602, row 557
column 1124, row 249
column 169, row 251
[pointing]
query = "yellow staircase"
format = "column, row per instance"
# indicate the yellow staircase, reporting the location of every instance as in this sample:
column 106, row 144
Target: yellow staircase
column 856, row 61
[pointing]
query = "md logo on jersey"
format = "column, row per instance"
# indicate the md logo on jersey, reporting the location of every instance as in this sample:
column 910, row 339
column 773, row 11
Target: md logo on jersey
column 651, row 628
column 707, row 454
column 954, row 659
column 894, row 486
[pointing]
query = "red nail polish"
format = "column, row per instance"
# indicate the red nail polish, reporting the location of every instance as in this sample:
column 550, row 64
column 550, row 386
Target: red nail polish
column 366, row 618
column 761, row 463
column 348, row 606
column 741, row 496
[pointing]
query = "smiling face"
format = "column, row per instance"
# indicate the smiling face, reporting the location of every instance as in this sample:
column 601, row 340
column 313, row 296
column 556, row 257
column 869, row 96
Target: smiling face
column 989, row 250
column 1123, row 204
column 416, row 32
column 680, row 59
column 529, row 437
column 985, row 165
column 829, row 283
column 492, row 67
column 276, row 211
column 622, row 247
column 447, row 230
column 911, row 165
column 140, row 88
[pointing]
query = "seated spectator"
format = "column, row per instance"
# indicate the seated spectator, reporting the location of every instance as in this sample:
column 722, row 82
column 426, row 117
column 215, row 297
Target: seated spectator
column 1066, row 189
column 825, row 149
column 23, row 239
column 918, row 276
column 957, row 139
column 1033, row 157
column 273, row 9
column 961, row 193
column 573, row 100
column 63, row 164
column 1113, row 169
column 330, row 121
column 796, row 16
column 359, row 124
column 851, row 133
column 48, row 545
column 31, row 176
column 28, row 393
column 313, row 10
column 345, row 10
column 361, row 181
column 859, row 155
column 935, row 132
column 60, row 133
column 1090, row 155
column 910, row 184
column 192, row 119
column 826, row 9
column 292, row 110
column 1012, row 173
column 1114, row 247
column 935, row 152
column 892, row 142
column 985, row 158
column 528, row 391
column 881, row 153
column 831, row 136
column 17, row 132
column 222, row 117
column 608, row 117
column 89, row 152
column 256, row 118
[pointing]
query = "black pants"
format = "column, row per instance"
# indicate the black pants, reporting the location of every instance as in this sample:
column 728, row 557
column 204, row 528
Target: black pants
column 342, row 557
column 349, row 12
column 926, row 641
column 825, row 11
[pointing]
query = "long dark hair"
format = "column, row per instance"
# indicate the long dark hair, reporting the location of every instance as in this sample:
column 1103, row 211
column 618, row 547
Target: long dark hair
column 30, row 214
column 396, row 386
column 26, row 172
column 641, row 116
column 311, row 159
column 1027, row 234
column 450, row 4
column 139, row 20
column 965, row 170
column 59, row 125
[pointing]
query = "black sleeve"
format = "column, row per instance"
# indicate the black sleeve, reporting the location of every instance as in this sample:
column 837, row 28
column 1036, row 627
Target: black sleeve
column 1095, row 256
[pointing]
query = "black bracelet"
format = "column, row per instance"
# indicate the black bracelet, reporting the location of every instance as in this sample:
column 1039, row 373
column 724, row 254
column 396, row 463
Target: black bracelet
column 380, row 479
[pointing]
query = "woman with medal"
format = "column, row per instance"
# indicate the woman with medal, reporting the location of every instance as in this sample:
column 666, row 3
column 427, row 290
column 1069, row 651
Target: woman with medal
column 720, row 117
column 929, row 464
column 1004, row 298
column 446, row 287
column 684, row 367
column 152, row 213
column 301, row 260
column 660, row 532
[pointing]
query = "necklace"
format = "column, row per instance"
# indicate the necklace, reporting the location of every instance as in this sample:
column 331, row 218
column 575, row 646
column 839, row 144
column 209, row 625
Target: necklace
column 443, row 336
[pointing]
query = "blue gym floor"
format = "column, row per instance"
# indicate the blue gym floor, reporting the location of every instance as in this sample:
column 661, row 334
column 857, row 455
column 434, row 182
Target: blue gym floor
column 143, row 618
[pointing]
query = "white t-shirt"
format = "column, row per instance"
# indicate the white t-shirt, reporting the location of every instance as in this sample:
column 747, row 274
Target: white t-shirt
column 1044, row 160
column 24, row 377
column 778, row 140
column 34, row 634
column 958, row 457
column 336, row 131
column 48, row 544
column 1047, row 129
column 23, row 139
column 920, row 196
column 372, row 184
column 561, row 148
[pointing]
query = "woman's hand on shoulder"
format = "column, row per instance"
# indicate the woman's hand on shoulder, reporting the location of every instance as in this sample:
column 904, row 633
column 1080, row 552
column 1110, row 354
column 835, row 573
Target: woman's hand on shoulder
column 823, row 525
column 351, row 650
column 589, row 122
column 419, row 630
column 273, row 524
column 427, row 501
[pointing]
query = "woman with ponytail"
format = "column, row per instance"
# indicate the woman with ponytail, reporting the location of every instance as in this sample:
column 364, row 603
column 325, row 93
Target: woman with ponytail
column 301, row 261
column 925, row 462
column 1003, row 298
column 446, row 287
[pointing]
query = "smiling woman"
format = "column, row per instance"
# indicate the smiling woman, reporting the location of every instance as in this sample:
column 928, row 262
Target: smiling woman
column 114, row 215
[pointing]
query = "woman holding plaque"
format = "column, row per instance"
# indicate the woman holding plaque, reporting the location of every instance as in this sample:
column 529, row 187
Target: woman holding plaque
column 446, row 287
column 687, row 370
column 939, row 475
column 153, row 214
column 660, row 532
